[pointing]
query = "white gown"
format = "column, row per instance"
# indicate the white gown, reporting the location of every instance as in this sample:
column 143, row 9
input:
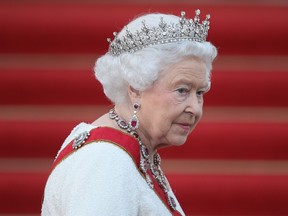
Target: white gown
column 100, row 179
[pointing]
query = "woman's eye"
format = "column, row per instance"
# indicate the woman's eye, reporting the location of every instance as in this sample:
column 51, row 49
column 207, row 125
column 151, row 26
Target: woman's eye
column 200, row 93
column 182, row 91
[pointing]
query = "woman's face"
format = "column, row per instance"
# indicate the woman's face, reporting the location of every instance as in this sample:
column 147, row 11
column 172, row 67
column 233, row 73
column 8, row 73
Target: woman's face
column 172, row 107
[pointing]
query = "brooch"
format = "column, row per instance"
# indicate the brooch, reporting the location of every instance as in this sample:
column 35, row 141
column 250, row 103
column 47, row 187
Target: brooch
column 80, row 140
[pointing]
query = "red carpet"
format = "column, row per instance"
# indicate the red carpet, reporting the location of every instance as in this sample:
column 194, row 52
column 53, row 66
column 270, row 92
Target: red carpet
column 47, row 53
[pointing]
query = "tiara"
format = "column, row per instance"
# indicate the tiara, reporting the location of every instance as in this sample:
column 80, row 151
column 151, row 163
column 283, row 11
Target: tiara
column 185, row 29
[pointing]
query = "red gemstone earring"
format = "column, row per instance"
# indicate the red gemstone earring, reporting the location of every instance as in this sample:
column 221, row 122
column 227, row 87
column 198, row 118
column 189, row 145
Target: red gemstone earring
column 134, row 122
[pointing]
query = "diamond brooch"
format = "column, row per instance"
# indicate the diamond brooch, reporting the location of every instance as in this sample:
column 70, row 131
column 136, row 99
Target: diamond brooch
column 80, row 140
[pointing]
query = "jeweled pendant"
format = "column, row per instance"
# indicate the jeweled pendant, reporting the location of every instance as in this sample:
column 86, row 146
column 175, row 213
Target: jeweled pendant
column 143, row 165
column 136, row 106
column 122, row 124
column 134, row 123
column 163, row 184
column 144, row 151
column 149, row 181
column 112, row 114
column 171, row 202
column 157, row 159
column 135, row 134
column 154, row 171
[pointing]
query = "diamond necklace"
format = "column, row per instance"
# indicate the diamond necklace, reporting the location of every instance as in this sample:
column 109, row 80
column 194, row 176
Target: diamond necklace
column 145, row 162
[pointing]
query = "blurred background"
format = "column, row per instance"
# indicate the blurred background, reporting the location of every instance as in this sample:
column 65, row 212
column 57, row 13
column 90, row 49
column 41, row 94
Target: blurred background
column 235, row 162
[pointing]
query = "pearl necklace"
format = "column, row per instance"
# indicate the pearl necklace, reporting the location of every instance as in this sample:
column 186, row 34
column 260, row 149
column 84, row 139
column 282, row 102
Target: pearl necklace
column 145, row 162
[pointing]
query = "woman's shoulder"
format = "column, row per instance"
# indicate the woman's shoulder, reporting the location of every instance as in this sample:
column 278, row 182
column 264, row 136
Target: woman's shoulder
column 95, row 162
column 92, row 179
column 78, row 129
column 102, row 173
column 98, row 154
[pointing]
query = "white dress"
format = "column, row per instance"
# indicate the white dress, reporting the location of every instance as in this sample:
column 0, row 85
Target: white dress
column 100, row 179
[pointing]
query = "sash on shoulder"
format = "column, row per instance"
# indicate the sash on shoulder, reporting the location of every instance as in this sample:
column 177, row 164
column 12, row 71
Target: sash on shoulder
column 123, row 140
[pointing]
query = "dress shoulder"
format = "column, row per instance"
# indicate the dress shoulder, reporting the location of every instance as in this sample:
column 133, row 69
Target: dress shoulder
column 96, row 181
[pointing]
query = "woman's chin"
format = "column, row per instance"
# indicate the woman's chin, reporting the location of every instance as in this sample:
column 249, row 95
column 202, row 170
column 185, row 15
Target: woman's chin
column 177, row 142
column 180, row 142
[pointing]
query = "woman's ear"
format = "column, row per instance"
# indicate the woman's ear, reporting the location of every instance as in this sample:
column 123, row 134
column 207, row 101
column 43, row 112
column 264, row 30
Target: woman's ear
column 134, row 94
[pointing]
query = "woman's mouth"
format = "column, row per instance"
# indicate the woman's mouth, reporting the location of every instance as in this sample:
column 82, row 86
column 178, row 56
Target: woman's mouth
column 185, row 127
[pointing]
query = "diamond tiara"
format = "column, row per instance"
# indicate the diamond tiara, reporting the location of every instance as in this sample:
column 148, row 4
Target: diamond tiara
column 185, row 29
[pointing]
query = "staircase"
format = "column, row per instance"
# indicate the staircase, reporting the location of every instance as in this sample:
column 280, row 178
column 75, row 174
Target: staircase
column 235, row 162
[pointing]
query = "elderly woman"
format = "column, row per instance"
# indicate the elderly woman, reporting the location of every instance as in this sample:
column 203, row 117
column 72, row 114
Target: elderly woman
column 156, row 73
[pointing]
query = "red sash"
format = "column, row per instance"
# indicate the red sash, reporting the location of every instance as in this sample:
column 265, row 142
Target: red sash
column 128, row 143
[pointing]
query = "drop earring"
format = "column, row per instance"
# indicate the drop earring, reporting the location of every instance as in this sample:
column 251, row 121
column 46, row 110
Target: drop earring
column 134, row 122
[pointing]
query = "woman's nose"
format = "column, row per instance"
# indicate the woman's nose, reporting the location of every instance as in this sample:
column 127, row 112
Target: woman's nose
column 194, row 105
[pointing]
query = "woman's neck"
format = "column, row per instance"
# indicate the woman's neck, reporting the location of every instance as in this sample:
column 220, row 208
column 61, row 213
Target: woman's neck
column 125, row 114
